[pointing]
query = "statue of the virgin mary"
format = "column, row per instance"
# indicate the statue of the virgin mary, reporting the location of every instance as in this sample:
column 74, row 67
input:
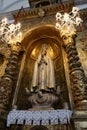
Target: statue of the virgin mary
column 43, row 74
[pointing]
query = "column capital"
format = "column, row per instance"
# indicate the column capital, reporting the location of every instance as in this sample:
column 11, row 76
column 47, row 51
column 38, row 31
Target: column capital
column 68, row 35
column 16, row 46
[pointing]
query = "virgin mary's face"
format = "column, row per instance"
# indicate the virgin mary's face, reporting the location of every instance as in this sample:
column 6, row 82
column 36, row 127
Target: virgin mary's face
column 44, row 52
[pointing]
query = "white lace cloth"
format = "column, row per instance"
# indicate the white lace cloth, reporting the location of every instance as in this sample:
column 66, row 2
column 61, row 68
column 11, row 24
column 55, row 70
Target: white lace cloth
column 37, row 117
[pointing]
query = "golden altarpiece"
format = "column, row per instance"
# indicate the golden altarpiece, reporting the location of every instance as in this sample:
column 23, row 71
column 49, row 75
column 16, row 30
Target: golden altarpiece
column 43, row 83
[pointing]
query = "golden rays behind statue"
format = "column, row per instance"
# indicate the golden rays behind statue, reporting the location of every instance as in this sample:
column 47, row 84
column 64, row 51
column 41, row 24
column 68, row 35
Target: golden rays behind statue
column 52, row 50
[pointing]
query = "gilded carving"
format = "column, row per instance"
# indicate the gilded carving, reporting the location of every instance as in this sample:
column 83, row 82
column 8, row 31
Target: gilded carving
column 77, row 76
column 41, row 12
column 68, row 35
column 6, row 82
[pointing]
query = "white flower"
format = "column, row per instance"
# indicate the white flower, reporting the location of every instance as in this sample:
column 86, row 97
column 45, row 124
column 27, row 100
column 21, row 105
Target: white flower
column 75, row 11
column 58, row 26
column 11, row 27
column 58, row 16
column 18, row 26
column 66, row 17
column 78, row 21
column 4, row 21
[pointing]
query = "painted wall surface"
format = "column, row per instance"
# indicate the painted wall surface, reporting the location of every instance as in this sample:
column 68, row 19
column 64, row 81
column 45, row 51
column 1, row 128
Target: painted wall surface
column 11, row 5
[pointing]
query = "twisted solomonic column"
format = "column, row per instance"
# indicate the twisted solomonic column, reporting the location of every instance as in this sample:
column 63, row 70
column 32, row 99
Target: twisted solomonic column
column 7, row 81
column 77, row 76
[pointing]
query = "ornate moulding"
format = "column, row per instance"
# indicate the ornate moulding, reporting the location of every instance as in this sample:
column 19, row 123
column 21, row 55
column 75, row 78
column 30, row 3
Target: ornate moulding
column 41, row 11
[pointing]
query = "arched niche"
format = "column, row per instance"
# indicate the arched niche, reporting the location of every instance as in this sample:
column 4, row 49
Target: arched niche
column 32, row 42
